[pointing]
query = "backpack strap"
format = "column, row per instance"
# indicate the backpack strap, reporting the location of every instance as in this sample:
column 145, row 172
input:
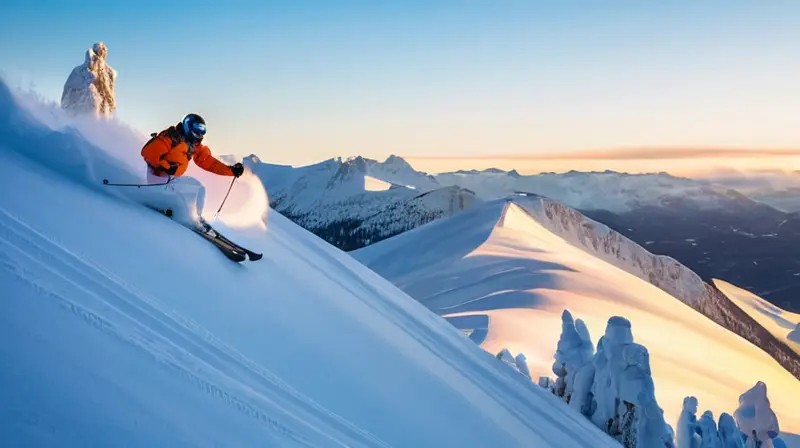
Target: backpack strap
column 170, row 132
column 173, row 135
column 175, row 140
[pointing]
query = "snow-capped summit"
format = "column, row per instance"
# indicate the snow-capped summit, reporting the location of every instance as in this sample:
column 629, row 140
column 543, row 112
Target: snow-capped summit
column 398, row 171
column 357, row 201
column 89, row 89
column 397, row 163
column 350, row 174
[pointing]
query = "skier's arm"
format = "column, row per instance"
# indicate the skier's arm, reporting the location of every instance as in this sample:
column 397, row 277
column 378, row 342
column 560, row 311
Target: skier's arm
column 153, row 151
column 204, row 159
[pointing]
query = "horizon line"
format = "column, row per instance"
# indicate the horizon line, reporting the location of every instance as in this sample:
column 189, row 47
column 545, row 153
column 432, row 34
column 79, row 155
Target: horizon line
column 631, row 153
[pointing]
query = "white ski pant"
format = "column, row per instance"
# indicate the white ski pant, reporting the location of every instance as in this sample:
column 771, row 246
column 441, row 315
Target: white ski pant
column 185, row 196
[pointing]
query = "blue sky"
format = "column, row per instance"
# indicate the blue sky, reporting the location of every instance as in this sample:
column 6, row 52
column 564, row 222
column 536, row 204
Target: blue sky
column 299, row 81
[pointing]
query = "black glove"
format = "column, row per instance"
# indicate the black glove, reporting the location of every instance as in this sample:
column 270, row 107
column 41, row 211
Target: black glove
column 237, row 169
column 173, row 167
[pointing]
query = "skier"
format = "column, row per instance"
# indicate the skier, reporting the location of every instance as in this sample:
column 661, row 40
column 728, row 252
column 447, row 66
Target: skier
column 168, row 153
column 167, row 156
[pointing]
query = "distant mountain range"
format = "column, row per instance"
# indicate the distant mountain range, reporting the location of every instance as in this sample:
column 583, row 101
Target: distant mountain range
column 353, row 203
column 716, row 231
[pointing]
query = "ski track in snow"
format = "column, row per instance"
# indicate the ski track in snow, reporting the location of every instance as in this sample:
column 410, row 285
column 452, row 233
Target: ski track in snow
column 118, row 309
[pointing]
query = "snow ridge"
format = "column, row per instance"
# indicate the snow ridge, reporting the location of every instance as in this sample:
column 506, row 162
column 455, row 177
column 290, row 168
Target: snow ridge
column 611, row 246
column 661, row 271
column 89, row 89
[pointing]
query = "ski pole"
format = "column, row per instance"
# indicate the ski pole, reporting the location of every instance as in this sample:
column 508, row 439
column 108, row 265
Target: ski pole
column 226, row 197
column 106, row 182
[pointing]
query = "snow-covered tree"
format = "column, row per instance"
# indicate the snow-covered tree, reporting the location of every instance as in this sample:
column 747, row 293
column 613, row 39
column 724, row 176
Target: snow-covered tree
column 581, row 380
column 686, row 436
column 518, row 363
column 704, row 433
column 624, row 402
column 574, row 351
column 603, row 408
column 505, row 356
column 522, row 365
column 729, row 434
column 709, row 436
column 90, row 87
column 755, row 418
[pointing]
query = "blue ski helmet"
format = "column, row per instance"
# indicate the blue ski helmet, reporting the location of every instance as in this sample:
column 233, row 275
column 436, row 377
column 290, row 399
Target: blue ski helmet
column 194, row 127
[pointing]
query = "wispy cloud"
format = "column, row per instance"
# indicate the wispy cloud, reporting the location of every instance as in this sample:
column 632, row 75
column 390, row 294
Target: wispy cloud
column 649, row 153
column 700, row 162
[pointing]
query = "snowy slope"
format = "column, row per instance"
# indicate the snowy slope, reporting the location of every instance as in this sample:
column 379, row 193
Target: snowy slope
column 429, row 206
column 357, row 201
column 120, row 325
column 783, row 324
column 498, row 260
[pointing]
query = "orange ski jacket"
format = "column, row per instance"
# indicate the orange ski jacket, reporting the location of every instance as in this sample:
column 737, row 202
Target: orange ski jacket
column 168, row 147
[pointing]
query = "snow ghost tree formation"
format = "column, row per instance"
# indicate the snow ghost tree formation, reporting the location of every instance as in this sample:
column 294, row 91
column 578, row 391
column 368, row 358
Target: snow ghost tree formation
column 705, row 432
column 90, row 87
column 613, row 387
column 753, row 424
column 518, row 363
column 755, row 419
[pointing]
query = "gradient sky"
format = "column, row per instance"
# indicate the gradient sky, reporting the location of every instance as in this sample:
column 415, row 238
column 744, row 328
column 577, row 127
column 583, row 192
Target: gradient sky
column 300, row 81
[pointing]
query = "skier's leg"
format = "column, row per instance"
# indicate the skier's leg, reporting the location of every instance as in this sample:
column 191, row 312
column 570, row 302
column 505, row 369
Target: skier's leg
column 201, row 199
column 182, row 199
column 189, row 196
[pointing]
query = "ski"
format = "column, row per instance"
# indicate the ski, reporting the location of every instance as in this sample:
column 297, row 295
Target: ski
column 233, row 251
column 252, row 256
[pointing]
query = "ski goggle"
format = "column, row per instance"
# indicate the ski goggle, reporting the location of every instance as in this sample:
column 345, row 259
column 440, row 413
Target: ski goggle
column 198, row 130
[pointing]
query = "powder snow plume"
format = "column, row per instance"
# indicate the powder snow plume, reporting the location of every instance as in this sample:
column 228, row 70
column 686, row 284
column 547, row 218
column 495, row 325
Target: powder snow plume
column 247, row 203
column 110, row 149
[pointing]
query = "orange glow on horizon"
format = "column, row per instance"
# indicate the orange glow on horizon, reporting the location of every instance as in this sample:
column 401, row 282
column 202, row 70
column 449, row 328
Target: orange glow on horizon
column 680, row 166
